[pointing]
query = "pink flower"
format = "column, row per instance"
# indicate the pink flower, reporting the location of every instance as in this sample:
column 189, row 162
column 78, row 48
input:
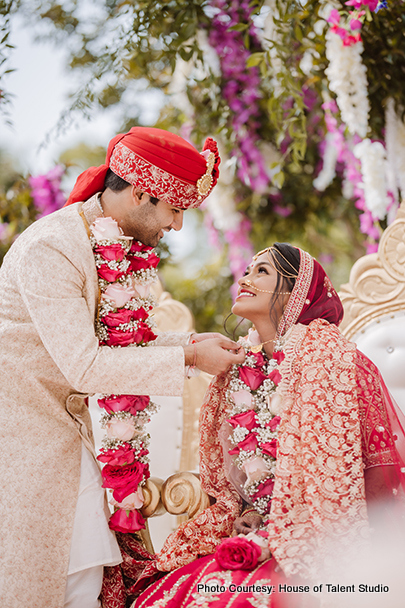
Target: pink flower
column 334, row 16
column 253, row 337
column 131, row 502
column 142, row 291
column 270, row 448
column 121, row 429
column 113, row 319
column 252, row 377
column 249, row 444
column 275, row 404
column 245, row 419
column 124, row 403
column 237, row 553
column 242, row 398
column 275, row 376
column 108, row 274
column 274, row 423
column 119, row 295
column 355, row 24
column 351, row 40
column 255, row 468
column 126, row 521
column 123, row 455
column 123, row 480
column 111, row 252
column 106, row 228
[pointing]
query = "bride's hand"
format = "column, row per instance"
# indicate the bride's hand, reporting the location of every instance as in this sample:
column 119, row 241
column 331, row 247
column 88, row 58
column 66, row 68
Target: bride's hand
column 249, row 522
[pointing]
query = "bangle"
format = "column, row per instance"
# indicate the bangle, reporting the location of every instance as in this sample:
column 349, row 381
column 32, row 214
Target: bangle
column 251, row 510
column 195, row 356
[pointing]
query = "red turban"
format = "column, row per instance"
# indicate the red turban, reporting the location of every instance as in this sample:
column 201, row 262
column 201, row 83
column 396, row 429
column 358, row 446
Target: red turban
column 157, row 162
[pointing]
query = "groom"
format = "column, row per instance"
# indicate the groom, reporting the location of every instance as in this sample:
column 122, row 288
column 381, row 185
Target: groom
column 55, row 538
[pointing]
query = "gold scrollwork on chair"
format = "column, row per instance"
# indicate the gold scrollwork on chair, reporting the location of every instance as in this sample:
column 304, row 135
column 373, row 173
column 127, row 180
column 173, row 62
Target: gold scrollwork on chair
column 377, row 281
column 182, row 493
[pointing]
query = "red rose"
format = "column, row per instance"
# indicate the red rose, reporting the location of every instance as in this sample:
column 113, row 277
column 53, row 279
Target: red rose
column 249, row 444
column 119, row 337
column 252, row 377
column 137, row 246
column 143, row 334
column 139, row 315
column 270, row 448
column 138, row 263
column 260, row 360
column 279, row 356
column 265, row 490
column 275, row 376
column 124, row 403
column 153, row 260
column 122, row 456
column 237, row 553
column 273, row 423
column 126, row 521
column 108, row 274
column 245, row 419
column 123, row 480
column 113, row 319
column 111, row 252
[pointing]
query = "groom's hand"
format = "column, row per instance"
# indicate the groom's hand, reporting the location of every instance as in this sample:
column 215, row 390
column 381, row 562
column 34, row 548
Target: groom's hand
column 214, row 355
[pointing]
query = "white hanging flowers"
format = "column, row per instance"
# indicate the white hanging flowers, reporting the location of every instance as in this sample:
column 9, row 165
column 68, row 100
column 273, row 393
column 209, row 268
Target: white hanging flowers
column 395, row 145
column 348, row 80
column 328, row 172
column 373, row 164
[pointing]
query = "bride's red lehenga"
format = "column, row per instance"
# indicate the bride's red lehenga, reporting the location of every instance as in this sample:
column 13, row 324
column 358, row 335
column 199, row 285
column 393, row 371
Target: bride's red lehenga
column 339, row 426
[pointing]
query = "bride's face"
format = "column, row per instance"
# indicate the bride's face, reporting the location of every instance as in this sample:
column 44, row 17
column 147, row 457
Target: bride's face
column 254, row 300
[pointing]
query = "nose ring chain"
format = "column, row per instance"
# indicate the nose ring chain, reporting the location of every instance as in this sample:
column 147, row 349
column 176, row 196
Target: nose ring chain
column 280, row 293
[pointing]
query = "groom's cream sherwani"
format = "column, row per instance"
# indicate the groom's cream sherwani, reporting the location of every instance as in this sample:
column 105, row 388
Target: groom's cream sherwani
column 50, row 360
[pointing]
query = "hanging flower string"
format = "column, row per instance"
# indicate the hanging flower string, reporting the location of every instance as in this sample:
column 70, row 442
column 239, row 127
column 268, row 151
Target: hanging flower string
column 126, row 269
column 254, row 418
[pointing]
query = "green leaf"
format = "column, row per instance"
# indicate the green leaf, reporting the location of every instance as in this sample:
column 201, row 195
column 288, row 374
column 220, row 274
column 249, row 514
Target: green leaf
column 254, row 60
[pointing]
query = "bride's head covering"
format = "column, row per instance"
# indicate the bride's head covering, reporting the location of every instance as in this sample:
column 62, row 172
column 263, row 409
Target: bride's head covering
column 312, row 295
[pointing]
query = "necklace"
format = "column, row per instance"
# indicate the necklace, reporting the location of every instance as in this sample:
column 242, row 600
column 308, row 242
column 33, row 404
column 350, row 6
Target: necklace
column 254, row 419
column 258, row 347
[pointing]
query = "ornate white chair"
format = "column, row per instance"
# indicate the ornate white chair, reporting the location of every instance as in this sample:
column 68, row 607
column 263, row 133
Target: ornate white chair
column 374, row 304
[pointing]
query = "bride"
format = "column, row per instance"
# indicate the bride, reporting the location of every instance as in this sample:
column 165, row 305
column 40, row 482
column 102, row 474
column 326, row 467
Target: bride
column 295, row 443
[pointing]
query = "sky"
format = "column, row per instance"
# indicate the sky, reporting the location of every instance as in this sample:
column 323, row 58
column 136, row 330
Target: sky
column 41, row 85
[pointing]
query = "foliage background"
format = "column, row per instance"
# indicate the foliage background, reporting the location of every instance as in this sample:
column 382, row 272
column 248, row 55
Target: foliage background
column 127, row 49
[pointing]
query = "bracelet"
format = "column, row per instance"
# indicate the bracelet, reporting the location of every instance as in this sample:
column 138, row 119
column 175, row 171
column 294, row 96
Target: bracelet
column 195, row 357
column 251, row 510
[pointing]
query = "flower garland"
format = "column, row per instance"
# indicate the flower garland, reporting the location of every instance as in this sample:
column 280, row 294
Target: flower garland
column 254, row 420
column 125, row 269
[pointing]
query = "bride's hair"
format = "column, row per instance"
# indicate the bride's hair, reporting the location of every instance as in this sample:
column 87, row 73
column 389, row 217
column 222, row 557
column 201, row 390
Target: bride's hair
column 286, row 261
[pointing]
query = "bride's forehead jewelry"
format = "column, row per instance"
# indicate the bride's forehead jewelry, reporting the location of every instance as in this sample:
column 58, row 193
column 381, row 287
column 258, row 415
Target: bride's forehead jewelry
column 276, row 264
column 249, row 283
